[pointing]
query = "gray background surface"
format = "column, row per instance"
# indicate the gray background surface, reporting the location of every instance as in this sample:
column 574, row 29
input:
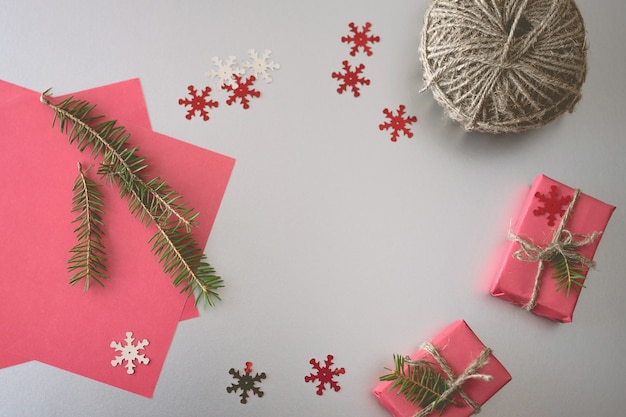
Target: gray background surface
column 331, row 238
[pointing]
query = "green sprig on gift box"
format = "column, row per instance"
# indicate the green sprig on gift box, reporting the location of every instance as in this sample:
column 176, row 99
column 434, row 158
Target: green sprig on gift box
column 567, row 273
column 419, row 383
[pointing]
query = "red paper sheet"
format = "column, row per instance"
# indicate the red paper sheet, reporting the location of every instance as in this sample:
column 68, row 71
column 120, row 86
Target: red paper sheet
column 129, row 97
column 43, row 317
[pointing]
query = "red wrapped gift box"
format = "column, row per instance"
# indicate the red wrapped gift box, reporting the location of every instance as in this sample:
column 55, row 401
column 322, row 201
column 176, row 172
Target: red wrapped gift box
column 520, row 278
column 459, row 347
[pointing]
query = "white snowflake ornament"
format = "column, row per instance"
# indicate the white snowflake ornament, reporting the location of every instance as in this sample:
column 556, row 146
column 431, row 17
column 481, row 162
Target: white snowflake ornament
column 260, row 65
column 224, row 71
column 130, row 353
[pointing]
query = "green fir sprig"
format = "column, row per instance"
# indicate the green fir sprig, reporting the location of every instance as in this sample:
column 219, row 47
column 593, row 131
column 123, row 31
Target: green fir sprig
column 419, row 382
column 568, row 274
column 88, row 256
column 151, row 201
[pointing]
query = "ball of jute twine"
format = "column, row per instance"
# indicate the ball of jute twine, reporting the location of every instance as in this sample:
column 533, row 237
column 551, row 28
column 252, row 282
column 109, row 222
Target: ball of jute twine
column 504, row 66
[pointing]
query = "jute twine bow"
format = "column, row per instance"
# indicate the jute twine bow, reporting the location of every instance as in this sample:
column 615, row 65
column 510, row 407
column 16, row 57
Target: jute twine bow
column 504, row 66
column 455, row 383
column 563, row 243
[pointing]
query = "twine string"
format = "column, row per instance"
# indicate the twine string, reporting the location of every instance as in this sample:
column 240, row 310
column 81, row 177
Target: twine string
column 548, row 21
column 505, row 50
column 504, row 66
column 563, row 243
column 455, row 383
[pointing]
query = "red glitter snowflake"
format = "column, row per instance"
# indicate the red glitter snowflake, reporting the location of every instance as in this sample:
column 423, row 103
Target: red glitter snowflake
column 325, row 375
column 398, row 123
column 199, row 103
column 351, row 78
column 360, row 39
column 552, row 204
column 241, row 90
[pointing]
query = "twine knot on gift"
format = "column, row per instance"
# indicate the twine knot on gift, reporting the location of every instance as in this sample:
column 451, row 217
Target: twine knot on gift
column 564, row 244
column 455, row 383
column 504, row 66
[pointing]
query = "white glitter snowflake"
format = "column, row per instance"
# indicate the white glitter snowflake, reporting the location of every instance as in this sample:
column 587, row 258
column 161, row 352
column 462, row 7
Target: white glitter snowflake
column 129, row 353
column 260, row 65
column 224, row 71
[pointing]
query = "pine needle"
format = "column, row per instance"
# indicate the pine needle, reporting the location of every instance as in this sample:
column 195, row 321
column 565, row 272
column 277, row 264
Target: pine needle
column 568, row 275
column 180, row 255
column 88, row 259
column 151, row 201
column 419, row 382
column 119, row 161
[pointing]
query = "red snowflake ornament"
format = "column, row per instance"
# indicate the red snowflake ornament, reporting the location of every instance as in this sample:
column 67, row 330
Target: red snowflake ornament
column 398, row 123
column 350, row 78
column 325, row 375
column 241, row 89
column 552, row 204
column 360, row 39
column 198, row 103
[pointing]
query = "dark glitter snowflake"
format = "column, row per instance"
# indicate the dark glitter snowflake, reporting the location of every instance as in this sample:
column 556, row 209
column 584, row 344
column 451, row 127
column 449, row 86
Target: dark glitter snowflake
column 552, row 204
column 325, row 375
column 246, row 382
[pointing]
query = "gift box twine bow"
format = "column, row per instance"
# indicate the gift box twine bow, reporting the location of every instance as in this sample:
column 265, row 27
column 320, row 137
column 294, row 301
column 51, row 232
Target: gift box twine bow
column 564, row 244
column 456, row 382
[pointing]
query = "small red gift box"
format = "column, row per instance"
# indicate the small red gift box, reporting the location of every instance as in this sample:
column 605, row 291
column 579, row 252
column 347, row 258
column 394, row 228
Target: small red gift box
column 555, row 219
column 459, row 349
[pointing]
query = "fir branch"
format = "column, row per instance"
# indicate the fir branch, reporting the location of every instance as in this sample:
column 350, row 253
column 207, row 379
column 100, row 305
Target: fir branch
column 151, row 201
column 419, row 382
column 568, row 274
column 88, row 259
column 119, row 161
column 180, row 255
column 154, row 194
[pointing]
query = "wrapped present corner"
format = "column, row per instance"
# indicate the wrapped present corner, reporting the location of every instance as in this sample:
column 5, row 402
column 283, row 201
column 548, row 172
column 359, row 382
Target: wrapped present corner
column 551, row 249
column 453, row 375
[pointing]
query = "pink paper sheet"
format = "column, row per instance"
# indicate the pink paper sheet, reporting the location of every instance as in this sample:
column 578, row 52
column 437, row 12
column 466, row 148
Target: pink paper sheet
column 43, row 317
column 128, row 96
